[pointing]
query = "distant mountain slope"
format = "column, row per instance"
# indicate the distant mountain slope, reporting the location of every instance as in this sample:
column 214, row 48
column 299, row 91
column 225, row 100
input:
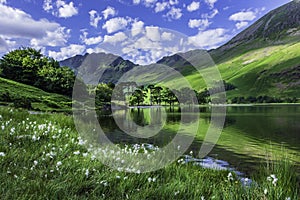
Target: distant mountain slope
column 111, row 67
column 279, row 26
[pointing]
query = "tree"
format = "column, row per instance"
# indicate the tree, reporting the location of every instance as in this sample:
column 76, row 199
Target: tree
column 137, row 97
column 30, row 66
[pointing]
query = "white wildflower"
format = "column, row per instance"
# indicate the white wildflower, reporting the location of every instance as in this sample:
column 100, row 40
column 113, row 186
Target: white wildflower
column 229, row 176
column 2, row 154
column 265, row 191
column 59, row 163
column 177, row 192
column 76, row 152
column 87, row 173
column 35, row 162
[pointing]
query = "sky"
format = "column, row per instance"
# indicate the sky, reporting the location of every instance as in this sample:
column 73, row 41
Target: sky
column 142, row 31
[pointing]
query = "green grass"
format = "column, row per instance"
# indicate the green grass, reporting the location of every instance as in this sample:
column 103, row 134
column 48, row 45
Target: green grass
column 39, row 99
column 254, row 71
column 38, row 162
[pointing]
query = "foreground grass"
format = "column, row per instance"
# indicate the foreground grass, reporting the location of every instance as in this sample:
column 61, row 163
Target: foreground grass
column 42, row 157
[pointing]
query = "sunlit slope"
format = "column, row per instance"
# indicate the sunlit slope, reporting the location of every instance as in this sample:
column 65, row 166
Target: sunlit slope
column 272, row 71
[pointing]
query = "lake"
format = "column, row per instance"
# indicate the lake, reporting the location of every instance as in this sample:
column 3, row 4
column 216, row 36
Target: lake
column 251, row 134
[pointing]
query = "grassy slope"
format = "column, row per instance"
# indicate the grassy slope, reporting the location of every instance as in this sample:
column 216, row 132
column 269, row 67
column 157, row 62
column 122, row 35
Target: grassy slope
column 253, row 72
column 40, row 99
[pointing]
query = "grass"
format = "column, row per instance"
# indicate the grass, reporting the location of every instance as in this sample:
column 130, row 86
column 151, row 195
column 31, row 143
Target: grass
column 254, row 71
column 43, row 157
column 40, row 100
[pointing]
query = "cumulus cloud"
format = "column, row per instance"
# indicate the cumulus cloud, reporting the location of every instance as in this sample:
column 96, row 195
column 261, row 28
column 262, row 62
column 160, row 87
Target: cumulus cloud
column 243, row 16
column 149, row 3
column 60, row 9
column 67, row 52
column 66, row 10
column 193, row 6
column 211, row 3
column 59, row 37
column 137, row 28
column 240, row 25
column 116, row 24
column 175, row 2
column 91, row 40
column 116, row 38
column 109, row 11
column 167, row 36
column 2, row 1
column 136, row 2
column 161, row 6
column 174, row 13
column 210, row 15
column 152, row 33
column 16, row 24
column 94, row 18
column 209, row 39
column 199, row 23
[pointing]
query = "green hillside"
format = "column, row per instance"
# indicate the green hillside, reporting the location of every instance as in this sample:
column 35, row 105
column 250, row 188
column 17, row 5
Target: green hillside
column 14, row 94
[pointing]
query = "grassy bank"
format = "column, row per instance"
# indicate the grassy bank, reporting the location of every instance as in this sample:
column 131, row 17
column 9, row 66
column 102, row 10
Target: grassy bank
column 18, row 94
column 42, row 157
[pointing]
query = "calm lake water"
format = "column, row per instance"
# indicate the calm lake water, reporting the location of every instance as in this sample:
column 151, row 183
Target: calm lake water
column 251, row 134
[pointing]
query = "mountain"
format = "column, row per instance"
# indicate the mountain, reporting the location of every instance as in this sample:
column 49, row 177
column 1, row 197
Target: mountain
column 264, row 59
column 277, row 27
column 99, row 67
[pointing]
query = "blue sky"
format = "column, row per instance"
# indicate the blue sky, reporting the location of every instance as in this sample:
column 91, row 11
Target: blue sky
column 140, row 30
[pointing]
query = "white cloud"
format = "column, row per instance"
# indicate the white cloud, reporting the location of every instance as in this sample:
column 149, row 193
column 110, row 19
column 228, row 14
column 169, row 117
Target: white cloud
column 210, row 15
column 94, row 18
column 109, row 11
column 174, row 13
column 116, row 38
column 193, row 6
column 240, row 25
column 96, row 50
column 91, row 40
column 175, row 2
column 211, row 3
column 137, row 28
column 2, row 1
column 199, row 23
column 243, row 16
column 136, row 2
column 47, row 5
column 152, row 33
column 59, row 37
column 209, row 39
column 149, row 3
column 161, row 6
column 67, row 52
column 66, row 10
column 116, row 24
column 62, row 9
column 167, row 36
column 16, row 24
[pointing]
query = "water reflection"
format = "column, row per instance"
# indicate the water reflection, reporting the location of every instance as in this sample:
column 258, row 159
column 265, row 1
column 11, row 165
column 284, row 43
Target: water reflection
column 249, row 131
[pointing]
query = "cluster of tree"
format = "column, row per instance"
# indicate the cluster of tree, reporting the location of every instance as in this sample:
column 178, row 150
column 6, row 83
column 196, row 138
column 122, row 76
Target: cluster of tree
column 263, row 99
column 30, row 66
column 147, row 94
